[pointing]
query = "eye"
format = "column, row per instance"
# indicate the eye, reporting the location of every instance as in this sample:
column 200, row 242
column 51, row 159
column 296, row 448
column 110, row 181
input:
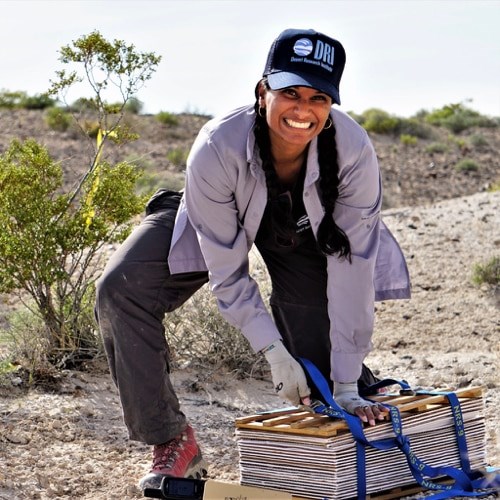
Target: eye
column 320, row 97
column 289, row 92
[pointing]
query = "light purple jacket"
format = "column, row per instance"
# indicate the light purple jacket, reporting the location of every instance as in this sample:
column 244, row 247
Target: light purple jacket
column 221, row 211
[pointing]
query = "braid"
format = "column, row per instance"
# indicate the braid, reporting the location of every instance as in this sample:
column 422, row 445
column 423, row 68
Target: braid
column 331, row 239
column 261, row 132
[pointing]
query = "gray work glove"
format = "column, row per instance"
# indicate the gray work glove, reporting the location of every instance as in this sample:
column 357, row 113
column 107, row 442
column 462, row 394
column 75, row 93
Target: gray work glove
column 288, row 376
column 347, row 396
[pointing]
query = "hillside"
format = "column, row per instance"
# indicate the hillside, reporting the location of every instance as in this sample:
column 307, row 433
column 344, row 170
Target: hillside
column 411, row 174
column 72, row 443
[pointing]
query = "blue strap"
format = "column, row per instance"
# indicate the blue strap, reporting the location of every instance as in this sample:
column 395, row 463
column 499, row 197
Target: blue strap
column 466, row 480
column 373, row 388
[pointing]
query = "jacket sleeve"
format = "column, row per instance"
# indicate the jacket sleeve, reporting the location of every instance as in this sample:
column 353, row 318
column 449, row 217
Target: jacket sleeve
column 351, row 290
column 210, row 200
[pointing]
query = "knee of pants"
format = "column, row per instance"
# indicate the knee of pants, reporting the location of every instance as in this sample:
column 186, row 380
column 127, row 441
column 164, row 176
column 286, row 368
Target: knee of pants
column 113, row 284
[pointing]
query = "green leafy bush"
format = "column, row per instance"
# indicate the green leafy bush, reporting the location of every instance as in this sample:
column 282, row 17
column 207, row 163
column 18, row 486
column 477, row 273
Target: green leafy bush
column 380, row 122
column 48, row 246
column 50, row 243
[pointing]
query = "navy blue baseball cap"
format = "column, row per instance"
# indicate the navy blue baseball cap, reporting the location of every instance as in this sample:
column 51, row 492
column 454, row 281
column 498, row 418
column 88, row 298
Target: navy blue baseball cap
column 306, row 58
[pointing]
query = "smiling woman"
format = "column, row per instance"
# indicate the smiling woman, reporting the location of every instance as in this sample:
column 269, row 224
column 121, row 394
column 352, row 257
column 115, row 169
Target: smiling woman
column 298, row 178
column 296, row 116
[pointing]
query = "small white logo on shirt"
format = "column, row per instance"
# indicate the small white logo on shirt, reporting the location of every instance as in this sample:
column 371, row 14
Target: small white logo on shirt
column 303, row 224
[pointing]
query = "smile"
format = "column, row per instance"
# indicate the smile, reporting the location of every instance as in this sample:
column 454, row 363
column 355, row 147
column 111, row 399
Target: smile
column 294, row 124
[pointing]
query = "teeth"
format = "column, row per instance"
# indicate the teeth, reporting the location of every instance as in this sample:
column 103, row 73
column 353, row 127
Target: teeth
column 294, row 124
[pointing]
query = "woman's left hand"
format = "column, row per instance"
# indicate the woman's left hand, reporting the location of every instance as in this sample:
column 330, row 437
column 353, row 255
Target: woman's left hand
column 371, row 412
column 347, row 396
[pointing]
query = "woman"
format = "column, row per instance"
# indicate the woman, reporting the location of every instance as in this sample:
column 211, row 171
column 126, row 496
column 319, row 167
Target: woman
column 301, row 181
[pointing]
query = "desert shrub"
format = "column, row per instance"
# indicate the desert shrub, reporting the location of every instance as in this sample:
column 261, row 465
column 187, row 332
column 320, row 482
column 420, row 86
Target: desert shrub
column 82, row 104
column 494, row 187
column 458, row 117
column 460, row 143
column 408, row 140
column 177, row 156
column 57, row 119
column 421, row 115
column 197, row 334
column 478, row 140
column 21, row 100
column 360, row 119
column 167, row 118
column 49, row 247
column 7, row 369
column 415, row 127
column 37, row 101
column 467, row 165
column 9, row 99
column 26, row 340
column 380, row 122
column 50, row 243
column 488, row 272
column 91, row 128
column 436, row 147
column 134, row 106
column 149, row 182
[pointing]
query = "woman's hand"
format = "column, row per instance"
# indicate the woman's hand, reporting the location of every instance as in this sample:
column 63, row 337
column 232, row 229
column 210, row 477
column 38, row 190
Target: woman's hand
column 288, row 376
column 347, row 396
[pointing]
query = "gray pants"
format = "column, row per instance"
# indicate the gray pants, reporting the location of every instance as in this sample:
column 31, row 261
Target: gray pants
column 135, row 292
column 133, row 295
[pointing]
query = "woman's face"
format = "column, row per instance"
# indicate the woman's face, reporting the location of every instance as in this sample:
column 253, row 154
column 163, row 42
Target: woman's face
column 295, row 115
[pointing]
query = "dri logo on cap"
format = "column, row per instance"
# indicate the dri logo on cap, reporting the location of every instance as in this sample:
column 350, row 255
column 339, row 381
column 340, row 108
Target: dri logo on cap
column 322, row 52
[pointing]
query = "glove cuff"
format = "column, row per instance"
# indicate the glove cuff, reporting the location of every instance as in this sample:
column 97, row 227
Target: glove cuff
column 340, row 388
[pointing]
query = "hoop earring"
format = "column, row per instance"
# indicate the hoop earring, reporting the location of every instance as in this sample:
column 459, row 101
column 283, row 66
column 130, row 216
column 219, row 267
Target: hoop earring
column 262, row 112
column 328, row 125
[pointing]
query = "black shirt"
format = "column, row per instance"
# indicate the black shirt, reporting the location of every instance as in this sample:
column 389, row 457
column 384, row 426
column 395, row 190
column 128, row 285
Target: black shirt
column 287, row 244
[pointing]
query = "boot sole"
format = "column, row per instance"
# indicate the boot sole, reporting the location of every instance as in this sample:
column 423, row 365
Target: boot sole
column 197, row 470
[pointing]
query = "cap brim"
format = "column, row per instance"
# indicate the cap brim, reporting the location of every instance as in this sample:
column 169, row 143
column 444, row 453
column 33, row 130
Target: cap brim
column 283, row 79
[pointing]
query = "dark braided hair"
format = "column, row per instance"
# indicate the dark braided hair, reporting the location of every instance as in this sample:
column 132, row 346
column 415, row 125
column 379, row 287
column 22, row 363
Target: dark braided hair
column 331, row 239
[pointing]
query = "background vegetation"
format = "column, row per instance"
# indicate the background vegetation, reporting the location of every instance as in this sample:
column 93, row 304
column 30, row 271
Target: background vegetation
column 78, row 201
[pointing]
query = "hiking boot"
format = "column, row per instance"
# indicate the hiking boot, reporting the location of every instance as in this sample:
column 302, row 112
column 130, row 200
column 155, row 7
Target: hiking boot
column 179, row 457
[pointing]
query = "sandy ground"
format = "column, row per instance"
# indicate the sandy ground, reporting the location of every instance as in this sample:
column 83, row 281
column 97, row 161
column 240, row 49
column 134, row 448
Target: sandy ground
column 72, row 444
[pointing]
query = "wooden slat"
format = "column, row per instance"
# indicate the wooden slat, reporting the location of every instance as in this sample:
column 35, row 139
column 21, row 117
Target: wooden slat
column 310, row 421
column 286, row 419
column 258, row 417
column 301, row 421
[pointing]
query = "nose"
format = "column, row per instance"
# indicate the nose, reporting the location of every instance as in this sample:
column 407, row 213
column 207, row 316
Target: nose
column 302, row 107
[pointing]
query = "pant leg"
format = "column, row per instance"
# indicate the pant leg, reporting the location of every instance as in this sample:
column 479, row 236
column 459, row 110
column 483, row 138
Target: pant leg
column 133, row 294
